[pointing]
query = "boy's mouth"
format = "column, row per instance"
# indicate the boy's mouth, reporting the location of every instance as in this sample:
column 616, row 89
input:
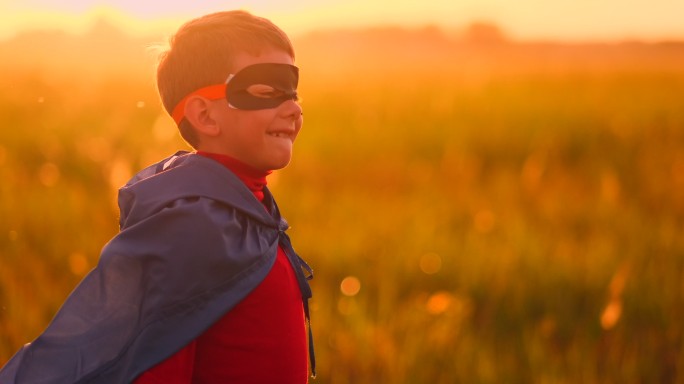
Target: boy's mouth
column 280, row 134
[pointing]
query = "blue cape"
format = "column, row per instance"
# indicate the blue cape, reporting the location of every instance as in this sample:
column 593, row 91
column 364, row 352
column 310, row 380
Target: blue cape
column 194, row 241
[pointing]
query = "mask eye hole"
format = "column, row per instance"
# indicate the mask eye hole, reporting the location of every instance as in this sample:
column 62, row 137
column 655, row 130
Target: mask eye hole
column 264, row 91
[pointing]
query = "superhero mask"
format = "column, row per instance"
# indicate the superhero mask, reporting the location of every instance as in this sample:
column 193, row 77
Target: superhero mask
column 258, row 86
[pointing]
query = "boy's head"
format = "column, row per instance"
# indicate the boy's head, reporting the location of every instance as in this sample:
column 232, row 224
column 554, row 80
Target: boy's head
column 258, row 56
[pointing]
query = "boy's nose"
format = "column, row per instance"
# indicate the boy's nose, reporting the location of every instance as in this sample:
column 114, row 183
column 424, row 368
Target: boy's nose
column 291, row 109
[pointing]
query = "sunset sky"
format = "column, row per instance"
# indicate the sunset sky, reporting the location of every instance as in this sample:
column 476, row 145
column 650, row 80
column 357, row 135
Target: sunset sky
column 522, row 19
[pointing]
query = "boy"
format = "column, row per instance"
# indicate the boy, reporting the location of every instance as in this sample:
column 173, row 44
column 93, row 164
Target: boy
column 201, row 285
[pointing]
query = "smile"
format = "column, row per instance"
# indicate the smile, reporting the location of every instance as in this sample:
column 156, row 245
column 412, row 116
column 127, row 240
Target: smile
column 279, row 134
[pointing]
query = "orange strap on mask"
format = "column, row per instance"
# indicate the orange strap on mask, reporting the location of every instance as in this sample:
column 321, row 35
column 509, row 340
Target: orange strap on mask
column 211, row 92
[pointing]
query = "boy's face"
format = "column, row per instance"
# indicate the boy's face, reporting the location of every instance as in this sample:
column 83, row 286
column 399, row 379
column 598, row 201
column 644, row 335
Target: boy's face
column 261, row 138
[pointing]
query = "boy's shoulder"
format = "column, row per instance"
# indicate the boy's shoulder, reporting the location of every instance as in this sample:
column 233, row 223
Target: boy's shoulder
column 177, row 161
column 185, row 175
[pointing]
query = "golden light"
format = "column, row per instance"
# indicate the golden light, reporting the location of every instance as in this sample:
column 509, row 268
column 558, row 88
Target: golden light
column 525, row 19
column 80, row 19
column 119, row 173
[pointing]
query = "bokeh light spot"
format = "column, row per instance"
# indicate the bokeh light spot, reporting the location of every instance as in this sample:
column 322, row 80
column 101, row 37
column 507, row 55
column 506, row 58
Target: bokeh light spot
column 439, row 302
column 611, row 314
column 350, row 286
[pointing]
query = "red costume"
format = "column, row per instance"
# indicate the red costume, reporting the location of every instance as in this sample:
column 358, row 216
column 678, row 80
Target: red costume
column 261, row 340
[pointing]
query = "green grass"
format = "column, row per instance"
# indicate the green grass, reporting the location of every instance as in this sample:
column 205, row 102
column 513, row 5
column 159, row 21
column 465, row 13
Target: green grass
column 493, row 218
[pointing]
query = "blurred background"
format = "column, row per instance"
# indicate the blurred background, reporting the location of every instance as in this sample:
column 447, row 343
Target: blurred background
column 489, row 192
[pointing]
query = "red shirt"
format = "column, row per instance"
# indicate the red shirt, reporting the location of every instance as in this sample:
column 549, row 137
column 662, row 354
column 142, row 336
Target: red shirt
column 260, row 340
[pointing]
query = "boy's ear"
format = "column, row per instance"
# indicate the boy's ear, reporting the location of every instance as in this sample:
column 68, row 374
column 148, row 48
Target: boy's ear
column 197, row 111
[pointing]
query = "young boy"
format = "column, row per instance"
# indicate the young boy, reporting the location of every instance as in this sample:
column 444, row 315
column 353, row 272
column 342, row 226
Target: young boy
column 201, row 285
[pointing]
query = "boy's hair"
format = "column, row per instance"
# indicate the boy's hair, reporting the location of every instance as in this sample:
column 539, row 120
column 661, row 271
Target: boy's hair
column 201, row 53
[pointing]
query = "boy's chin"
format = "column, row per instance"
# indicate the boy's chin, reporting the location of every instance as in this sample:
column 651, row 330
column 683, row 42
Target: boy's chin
column 280, row 165
column 276, row 164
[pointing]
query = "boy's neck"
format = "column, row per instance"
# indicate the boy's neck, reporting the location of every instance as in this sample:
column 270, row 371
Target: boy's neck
column 253, row 178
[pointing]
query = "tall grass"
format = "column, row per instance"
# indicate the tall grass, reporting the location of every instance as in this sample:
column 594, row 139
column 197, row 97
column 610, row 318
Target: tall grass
column 508, row 213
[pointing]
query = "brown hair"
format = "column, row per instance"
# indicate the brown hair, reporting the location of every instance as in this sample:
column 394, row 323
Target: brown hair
column 201, row 54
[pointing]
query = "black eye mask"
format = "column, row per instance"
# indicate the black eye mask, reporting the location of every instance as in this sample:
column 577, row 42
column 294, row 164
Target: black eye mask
column 262, row 86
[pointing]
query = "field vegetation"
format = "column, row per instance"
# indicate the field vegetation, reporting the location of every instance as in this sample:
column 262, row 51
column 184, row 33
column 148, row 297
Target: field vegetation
column 476, row 210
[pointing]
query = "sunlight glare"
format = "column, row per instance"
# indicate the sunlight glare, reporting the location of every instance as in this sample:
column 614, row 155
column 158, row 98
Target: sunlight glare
column 528, row 19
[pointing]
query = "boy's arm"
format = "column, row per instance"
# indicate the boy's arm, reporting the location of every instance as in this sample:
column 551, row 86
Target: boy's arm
column 177, row 369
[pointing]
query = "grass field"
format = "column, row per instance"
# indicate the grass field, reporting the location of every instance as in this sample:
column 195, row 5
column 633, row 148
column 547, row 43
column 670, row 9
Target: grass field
column 503, row 213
